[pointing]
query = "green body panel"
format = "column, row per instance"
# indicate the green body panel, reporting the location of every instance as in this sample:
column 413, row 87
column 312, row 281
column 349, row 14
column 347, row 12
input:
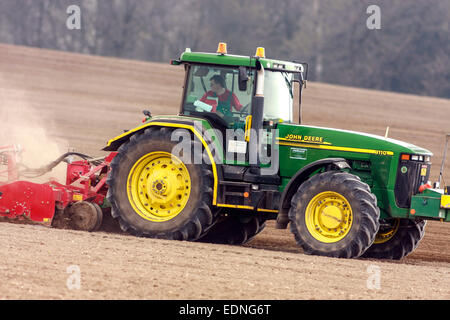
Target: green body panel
column 375, row 158
column 212, row 139
column 428, row 204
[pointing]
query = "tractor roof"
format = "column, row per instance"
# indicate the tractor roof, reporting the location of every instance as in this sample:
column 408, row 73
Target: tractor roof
column 222, row 58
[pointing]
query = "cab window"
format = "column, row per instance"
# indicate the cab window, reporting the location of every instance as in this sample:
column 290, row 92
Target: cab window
column 214, row 92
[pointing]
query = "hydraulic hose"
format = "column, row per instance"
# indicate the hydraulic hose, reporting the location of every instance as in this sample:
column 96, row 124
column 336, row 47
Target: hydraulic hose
column 37, row 172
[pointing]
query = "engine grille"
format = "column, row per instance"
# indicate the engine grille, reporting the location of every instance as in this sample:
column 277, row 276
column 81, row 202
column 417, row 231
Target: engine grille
column 410, row 176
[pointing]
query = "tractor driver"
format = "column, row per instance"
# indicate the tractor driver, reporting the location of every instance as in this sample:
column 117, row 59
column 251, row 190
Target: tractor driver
column 221, row 99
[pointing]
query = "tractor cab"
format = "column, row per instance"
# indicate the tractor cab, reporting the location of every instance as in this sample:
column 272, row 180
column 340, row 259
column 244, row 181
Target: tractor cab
column 221, row 87
column 243, row 97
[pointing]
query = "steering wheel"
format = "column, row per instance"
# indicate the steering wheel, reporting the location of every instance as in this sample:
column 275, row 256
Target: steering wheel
column 244, row 112
column 245, row 109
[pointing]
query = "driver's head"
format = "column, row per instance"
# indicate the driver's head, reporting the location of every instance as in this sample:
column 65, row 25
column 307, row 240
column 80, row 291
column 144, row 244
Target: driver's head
column 217, row 83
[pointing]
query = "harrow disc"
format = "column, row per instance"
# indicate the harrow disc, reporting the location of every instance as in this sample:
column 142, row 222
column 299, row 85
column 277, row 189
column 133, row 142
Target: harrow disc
column 85, row 216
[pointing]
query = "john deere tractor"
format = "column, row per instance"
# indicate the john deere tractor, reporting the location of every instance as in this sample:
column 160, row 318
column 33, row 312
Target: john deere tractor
column 234, row 157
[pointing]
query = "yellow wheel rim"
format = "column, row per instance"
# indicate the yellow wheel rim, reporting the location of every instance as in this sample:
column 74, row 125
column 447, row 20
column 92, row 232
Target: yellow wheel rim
column 328, row 217
column 158, row 186
column 387, row 233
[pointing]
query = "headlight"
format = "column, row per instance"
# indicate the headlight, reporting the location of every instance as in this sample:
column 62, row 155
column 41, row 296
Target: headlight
column 415, row 157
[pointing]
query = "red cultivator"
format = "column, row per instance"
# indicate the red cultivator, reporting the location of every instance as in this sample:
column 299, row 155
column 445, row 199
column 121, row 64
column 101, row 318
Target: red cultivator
column 78, row 202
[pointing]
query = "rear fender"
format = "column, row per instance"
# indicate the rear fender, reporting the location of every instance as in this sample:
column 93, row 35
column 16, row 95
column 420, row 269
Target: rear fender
column 114, row 144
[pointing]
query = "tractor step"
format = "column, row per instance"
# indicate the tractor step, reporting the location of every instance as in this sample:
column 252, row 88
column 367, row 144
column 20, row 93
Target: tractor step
column 245, row 195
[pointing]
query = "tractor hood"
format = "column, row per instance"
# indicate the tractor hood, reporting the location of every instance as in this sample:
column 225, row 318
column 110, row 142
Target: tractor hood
column 337, row 141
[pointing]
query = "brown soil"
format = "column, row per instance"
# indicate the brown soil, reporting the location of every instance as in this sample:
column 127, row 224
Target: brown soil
column 82, row 101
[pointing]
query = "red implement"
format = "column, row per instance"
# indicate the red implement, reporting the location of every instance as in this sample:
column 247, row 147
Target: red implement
column 27, row 201
column 32, row 202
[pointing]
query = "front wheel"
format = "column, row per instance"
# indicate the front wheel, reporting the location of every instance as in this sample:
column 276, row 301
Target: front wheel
column 396, row 239
column 334, row 214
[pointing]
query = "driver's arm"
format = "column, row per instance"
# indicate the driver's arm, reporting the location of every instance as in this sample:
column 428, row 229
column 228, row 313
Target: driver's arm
column 203, row 99
column 235, row 102
column 212, row 102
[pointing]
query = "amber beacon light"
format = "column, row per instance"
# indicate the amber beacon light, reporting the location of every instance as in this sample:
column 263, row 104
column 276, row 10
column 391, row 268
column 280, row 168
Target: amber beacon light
column 260, row 52
column 222, row 48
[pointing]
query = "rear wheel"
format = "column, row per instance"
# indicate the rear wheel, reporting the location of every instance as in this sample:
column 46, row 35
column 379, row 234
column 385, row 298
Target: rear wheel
column 154, row 193
column 234, row 230
column 334, row 214
column 396, row 239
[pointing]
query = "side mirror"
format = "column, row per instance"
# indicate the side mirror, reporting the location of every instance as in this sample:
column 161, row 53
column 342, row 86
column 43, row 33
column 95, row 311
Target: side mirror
column 303, row 70
column 243, row 78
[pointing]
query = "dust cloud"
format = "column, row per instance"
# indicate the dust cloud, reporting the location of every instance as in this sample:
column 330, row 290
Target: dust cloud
column 21, row 124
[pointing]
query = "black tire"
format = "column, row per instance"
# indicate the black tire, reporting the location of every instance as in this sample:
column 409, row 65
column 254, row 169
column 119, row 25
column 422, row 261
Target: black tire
column 197, row 214
column 405, row 237
column 234, row 230
column 357, row 237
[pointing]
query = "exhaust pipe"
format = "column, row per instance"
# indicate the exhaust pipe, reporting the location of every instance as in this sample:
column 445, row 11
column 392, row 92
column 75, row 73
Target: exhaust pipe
column 257, row 118
column 259, row 79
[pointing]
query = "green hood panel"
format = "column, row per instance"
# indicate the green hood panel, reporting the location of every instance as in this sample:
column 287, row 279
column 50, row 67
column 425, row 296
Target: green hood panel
column 375, row 158
column 337, row 140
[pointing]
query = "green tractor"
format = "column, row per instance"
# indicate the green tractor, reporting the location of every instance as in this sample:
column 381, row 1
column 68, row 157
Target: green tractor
column 234, row 158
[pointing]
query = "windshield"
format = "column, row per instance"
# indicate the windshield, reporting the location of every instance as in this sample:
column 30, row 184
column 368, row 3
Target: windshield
column 213, row 92
column 278, row 96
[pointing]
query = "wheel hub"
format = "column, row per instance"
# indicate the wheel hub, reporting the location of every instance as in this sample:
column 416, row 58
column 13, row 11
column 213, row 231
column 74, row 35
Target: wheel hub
column 328, row 217
column 331, row 217
column 387, row 231
column 159, row 186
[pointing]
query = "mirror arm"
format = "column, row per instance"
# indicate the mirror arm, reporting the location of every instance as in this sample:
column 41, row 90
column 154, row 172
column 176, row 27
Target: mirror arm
column 301, row 83
column 300, row 103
